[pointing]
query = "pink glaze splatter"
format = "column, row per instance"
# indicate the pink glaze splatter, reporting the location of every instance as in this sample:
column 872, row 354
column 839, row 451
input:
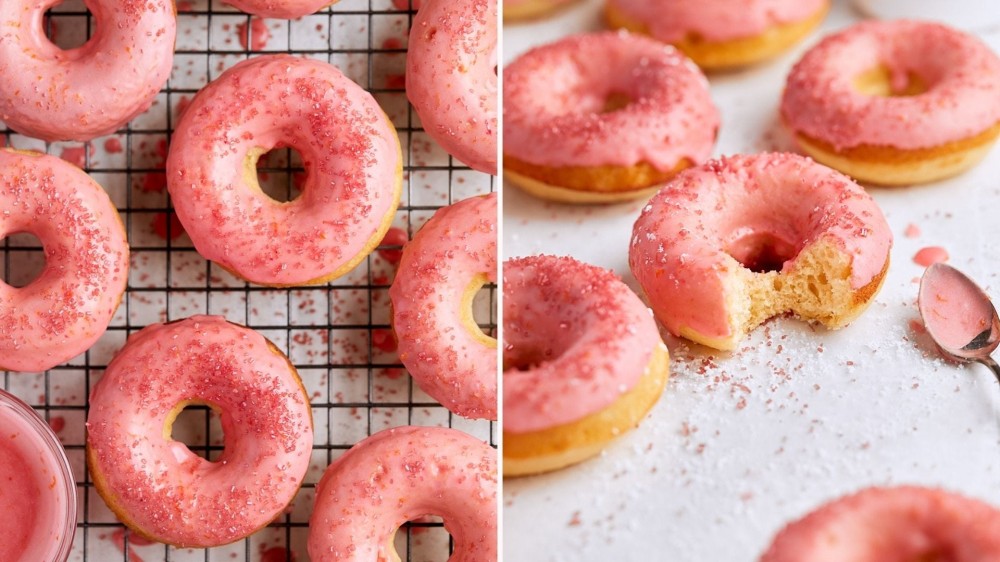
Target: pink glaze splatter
column 256, row 37
column 384, row 340
column 912, row 231
column 57, row 423
column 113, row 146
column 930, row 255
column 76, row 155
column 394, row 237
column 160, row 222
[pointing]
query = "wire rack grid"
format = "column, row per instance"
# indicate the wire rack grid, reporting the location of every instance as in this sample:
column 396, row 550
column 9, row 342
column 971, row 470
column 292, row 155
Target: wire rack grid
column 337, row 335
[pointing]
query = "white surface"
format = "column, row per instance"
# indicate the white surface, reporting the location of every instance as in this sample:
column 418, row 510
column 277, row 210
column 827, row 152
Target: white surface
column 742, row 443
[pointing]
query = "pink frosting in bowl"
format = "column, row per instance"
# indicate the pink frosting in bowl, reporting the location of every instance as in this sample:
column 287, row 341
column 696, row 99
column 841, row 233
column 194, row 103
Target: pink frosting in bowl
column 37, row 490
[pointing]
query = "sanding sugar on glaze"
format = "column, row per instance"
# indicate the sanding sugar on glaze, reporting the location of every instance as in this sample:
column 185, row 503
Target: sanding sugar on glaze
column 442, row 269
column 451, row 77
column 156, row 485
column 69, row 305
column 351, row 154
column 401, row 474
column 92, row 90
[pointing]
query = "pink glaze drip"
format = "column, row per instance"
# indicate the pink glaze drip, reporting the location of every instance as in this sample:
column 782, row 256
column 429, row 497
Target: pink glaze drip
column 92, row 90
column 281, row 9
column 892, row 524
column 350, row 151
column 715, row 20
column 962, row 73
column 680, row 241
column 399, row 475
column 930, row 255
column 161, row 488
column 451, row 77
column 448, row 362
column 953, row 309
column 68, row 307
column 33, row 494
column 255, row 36
column 554, row 95
column 575, row 339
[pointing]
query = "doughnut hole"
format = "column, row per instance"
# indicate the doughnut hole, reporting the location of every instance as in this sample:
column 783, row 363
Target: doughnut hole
column 615, row 101
column 197, row 425
column 68, row 31
column 880, row 82
column 423, row 538
column 479, row 309
column 524, row 349
column 762, row 252
column 280, row 173
column 22, row 259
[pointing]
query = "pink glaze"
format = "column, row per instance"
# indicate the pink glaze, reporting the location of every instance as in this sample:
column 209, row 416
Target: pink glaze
column 575, row 339
column 68, row 307
column 282, row 9
column 930, row 255
column 681, row 243
column 954, row 309
column 37, row 491
column 554, row 95
column 351, row 155
column 715, row 20
column 451, row 77
column 521, row 2
column 157, row 485
column 92, row 90
column 453, row 365
column 399, row 475
column 901, row 524
column 961, row 72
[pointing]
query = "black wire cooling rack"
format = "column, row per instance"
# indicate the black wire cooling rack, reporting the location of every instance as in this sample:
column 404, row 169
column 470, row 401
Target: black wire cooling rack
column 337, row 335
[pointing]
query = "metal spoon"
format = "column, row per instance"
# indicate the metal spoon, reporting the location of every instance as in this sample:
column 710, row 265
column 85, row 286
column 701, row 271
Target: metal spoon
column 959, row 316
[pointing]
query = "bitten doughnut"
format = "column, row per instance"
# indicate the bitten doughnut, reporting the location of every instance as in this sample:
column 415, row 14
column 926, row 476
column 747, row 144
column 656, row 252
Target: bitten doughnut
column 451, row 78
column 282, row 9
column 895, row 102
column 717, row 34
column 723, row 247
column 583, row 362
column 449, row 259
column 603, row 117
column 69, row 305
column 528, row 9
column 892, row 524
column 156, row 485
column 93, row 90
column 351, row 155
column 401, row 474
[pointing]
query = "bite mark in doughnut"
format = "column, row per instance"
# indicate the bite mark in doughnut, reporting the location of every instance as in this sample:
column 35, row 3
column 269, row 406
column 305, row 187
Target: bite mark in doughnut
column 583, row 362
column 902, row 524
column 451, row 78
column 725, row 246
column 350, row 151
column 156, row 485
column 449, row 259
column 401, row 474
column 69, row 305
column 895, row 102
column 604, row 117
column 92, row 90
column 717, row 34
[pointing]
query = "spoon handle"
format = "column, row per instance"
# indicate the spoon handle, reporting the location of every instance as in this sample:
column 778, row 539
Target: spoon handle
column 989, row 362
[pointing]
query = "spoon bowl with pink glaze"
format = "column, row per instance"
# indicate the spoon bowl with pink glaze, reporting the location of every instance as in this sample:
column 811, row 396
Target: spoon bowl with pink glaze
column 959, row 316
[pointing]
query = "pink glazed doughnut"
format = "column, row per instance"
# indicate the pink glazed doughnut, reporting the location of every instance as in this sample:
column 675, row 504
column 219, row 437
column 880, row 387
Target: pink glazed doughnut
column 398, row 475
column 441, row 270
column 583, row 362
column 451, row 78
column 895, row 102
column 282, row 9
column 68, row 307
column 604, row 117
column 901, row 524
column 156, row 485
column 94, row 89
column 727, row 245
column 352, row 158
